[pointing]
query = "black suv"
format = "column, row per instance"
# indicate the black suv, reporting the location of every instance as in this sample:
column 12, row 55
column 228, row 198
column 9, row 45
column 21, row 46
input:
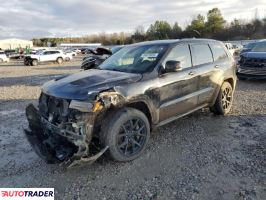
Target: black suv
column 112, row 109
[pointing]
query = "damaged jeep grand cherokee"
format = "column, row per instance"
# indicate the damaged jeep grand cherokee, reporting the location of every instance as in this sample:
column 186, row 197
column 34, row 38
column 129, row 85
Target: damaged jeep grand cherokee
column 113, row 108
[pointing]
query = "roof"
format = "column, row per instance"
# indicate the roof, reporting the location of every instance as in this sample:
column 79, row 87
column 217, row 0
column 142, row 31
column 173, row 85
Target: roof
column 175, row 41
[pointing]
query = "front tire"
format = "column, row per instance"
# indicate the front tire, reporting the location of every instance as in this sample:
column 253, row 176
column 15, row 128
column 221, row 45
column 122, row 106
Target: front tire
column 224, row 101
column 126, row 131
column 1, row 60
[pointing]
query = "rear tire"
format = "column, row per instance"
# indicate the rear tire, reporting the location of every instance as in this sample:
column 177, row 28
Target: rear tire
column 224, row 101
column 34, row 62
column 1, row 60
column 126, row 131
column 59, row 60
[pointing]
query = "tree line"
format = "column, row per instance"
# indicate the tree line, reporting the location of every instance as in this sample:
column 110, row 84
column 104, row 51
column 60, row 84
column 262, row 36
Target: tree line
column 213, row 25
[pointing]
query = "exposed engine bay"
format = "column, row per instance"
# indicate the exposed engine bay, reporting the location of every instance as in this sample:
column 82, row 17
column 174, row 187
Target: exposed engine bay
column 60, row 134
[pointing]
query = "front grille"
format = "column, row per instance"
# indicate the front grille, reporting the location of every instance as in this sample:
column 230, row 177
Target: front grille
column 253, row 62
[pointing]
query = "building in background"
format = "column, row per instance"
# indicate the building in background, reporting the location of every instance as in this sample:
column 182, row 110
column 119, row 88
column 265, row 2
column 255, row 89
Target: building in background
column 14, row 43
column 80, row 45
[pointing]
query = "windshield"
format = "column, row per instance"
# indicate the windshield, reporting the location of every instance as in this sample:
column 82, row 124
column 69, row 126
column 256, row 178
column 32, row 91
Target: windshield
column 260, row 47
column 135, row 59
column 116, row 49
column 251, row 45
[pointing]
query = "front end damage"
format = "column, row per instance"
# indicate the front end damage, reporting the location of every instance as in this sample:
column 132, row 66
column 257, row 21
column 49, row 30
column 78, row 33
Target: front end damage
column 64, row 131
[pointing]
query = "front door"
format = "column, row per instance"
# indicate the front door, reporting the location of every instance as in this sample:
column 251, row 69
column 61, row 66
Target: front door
column 178, row 90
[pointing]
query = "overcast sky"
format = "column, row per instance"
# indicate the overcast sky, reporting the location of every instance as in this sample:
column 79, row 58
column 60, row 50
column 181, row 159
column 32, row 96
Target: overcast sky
column 49, row 18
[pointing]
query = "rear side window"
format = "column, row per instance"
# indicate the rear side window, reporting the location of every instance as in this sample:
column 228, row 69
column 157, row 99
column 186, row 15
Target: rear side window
column 180, row 53
column 218, row 52
column 201, row 54
column 47, row 53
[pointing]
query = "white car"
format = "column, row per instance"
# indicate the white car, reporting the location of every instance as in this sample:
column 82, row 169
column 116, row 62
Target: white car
column 46, row 56
column 77, row 50
column 69, row 55
column 3, row 57
column 230, row 48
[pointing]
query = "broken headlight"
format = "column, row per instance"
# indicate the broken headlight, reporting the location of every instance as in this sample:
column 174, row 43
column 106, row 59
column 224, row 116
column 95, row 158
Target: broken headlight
column 82, row 106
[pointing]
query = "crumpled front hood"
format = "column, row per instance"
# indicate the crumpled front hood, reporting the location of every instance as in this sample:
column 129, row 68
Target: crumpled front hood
column 254, row 55
column 77, row 86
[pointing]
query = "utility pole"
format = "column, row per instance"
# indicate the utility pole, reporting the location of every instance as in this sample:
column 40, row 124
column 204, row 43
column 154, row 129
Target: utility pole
column 256, row 14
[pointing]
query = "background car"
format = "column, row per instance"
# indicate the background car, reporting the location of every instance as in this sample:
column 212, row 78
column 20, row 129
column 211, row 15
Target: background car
column 97, row 56
column 248, row 47
column 230, row 47
column 252, row 64
column 68, row 55
column 46, row 56
column 3, row 57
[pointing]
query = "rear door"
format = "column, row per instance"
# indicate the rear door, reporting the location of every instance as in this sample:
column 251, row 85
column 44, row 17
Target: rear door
column 178, row 90
column 207, row 70
column 45, row 56
column 55, row 55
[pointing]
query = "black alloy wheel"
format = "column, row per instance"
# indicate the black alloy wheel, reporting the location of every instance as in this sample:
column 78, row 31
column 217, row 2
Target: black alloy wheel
column 126, row 132
column 132, row 137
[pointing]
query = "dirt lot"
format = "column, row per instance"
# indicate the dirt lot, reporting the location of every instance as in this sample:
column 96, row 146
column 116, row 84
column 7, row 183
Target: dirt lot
column 201, row 156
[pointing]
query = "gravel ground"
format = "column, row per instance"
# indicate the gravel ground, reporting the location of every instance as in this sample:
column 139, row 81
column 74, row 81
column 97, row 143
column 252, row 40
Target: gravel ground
column 200, row 156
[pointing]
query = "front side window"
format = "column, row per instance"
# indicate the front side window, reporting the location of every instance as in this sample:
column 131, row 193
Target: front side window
column 218, row 52
column 201, row 54
column 180, row 53
column 135, row 59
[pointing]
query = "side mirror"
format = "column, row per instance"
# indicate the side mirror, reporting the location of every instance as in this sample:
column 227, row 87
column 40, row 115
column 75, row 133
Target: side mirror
column 172, row 66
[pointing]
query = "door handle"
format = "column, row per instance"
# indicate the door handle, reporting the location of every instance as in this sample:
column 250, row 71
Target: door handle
column 191, row 73
column 216, row 66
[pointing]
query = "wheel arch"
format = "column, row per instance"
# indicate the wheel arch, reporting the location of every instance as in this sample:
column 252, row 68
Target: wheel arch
column 143, row 107
column 230, row 80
